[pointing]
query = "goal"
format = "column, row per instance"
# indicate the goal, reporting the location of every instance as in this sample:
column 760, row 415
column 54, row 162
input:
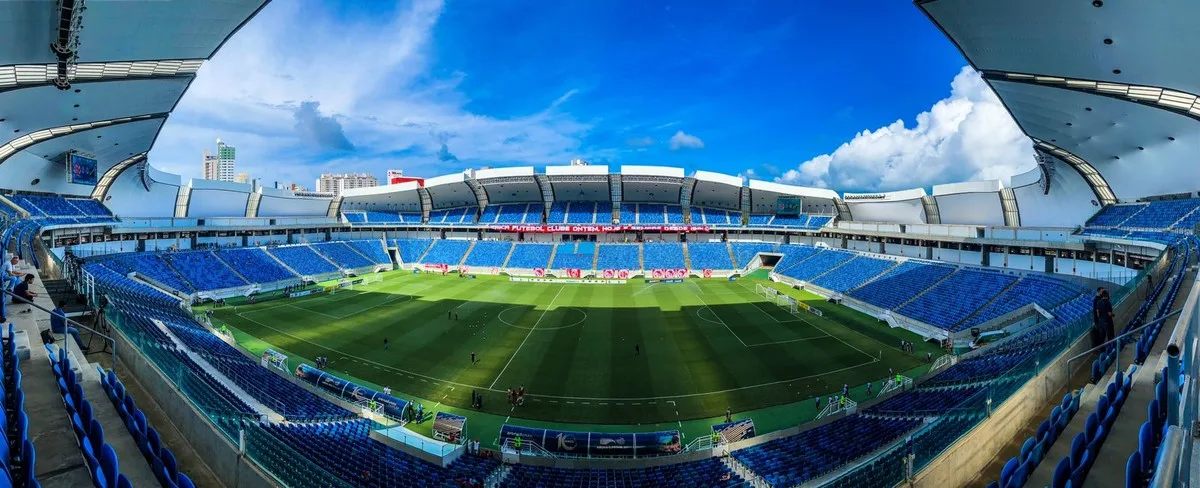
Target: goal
column 774, row 296
column 372, row 278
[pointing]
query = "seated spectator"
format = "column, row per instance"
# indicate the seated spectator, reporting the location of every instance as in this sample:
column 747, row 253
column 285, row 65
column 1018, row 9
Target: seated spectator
column 22, row 293
column 58, row 324
column 9, row 274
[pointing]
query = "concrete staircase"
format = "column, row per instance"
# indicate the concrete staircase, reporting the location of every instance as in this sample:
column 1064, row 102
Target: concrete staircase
column 1181, row 219
column 641, row 258
column 687, row 257
column 553, row 252
column 470, row 248
column 281, row 263
column 231, row 268
column 833, row 268
column 426, row 253
column 508, row 256
column 732, row 256
column 886, row 271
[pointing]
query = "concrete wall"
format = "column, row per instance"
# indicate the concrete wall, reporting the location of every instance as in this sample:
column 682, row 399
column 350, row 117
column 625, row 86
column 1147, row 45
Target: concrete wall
column 219, row 453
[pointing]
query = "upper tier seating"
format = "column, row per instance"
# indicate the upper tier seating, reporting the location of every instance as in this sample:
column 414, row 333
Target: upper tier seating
column 854, row 273
column 489, row 214
column 662, row 255
column 204, row 271
column 573, row 255
column 372, row 250
column 530, row 255
column 649, row 213
column 447, row 251
column 793, row 460
column 792, row 256
column 818, row 221
column 411, row 217
column 520, row 213
column 900, row 284
column 604, row 213
column 489, row 253
column 924, row 401
column 709, row 473
column 1113, row 215
column 255, row 265
column 674, row 214
column 709, row 255
column 1162, row 214
column 618, row 256
column 817, row 265
column 383, row 217
column 581, row 213
column 558, row 213
column 57, row 206
column 302, row 259
column 411, row 250
column 628, row 213
column 791, row 221
column 342, row 255
column 355, row 217
column 946, row 305
column 745, row 251
column 714, row 216
column 759, row 220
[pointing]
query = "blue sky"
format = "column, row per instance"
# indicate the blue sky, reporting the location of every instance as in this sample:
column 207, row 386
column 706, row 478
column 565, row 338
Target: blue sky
column 855, row 95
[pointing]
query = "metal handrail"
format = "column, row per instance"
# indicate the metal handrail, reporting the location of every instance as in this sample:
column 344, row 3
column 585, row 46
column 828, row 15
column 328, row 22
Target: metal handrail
column 1117, row 338
column 69, row 321
column 1168, row 459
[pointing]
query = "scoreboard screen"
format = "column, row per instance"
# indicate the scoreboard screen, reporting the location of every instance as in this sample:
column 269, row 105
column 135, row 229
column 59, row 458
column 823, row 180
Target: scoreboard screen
column 81, row 170
column 789, row 206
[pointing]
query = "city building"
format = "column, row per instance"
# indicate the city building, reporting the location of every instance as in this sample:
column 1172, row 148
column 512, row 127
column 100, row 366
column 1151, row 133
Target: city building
column 242, row 178
column 396, row 177
column 220, row 166
column 336, row 183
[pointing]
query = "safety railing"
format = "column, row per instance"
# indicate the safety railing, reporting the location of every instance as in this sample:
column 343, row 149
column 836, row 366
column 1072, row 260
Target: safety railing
column 1179, row 449
column 109, row 343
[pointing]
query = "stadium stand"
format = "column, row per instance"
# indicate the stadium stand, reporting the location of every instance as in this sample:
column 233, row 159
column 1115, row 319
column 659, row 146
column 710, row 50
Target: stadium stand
column 649, row 213
column 662, row 255
column 489, row 214
column 531, row 255
column 674, row 214
column 745, row 251
column 900, row 284
column 411, row 217
column 604, row 212
column 518, row 214
column 147, row 438
column 817, row 265
column 204, row 271
column 581, row 213
column 792, row 256
column 489, row 253
column 355, row 217
column 1046, row 292
column 628, row 213
column 557, row 214
column 618, row 256
column 709, row 255
column 447, row 251
column 17, row 455
column 923, row 401
column 342, row 255
column 411, row 250
column 152, row 266
column 302, row 259
column 370, row 249
column 759, row 220
column 706, row 473
column 1114, row 215
column 794, row 460
column 946, row 306
column 574, row 255
column 382, row 218
column 854, row 273
column 713, row 216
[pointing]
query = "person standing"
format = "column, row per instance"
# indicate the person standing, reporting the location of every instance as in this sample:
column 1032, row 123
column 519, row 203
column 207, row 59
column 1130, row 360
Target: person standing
column 385, row 343
column 1104, row 311
column 472, row 357
column 728, row 415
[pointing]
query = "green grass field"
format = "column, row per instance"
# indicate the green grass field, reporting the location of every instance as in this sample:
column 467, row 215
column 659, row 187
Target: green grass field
column 706, row 345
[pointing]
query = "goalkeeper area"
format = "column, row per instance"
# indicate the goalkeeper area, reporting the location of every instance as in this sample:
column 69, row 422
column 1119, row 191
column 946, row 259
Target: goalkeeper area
column 633, row 353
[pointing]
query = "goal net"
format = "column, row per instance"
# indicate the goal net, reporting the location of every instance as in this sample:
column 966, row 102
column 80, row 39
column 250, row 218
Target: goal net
column 372, row 278
column 774, row 296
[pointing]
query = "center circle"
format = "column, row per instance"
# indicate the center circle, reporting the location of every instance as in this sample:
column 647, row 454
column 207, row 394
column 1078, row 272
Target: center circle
column 576, row 312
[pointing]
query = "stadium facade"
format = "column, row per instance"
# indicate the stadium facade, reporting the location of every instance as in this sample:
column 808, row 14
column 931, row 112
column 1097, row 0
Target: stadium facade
column 1109, row 105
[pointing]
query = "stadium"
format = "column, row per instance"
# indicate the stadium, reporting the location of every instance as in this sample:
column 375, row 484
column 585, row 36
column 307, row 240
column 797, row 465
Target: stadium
column 600, row 325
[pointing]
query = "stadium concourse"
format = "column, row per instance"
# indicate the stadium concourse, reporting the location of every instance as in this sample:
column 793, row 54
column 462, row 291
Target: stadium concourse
column 582, row 325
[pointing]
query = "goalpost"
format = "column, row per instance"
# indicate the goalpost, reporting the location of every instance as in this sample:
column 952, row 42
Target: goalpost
column 779, row 299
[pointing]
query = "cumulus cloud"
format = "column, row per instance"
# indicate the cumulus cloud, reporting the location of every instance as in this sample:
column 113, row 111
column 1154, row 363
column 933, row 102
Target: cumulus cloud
column 966, row 136
column 683, row 140
column 322, row 130
column 444, row 155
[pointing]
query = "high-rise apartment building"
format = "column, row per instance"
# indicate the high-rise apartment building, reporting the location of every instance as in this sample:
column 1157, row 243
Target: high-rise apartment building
column 219, row 166
column 337, row 183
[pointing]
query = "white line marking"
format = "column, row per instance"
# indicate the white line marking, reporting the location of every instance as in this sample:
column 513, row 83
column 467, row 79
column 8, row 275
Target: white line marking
column 527, row 334
column 722, row 321
column 791, row 340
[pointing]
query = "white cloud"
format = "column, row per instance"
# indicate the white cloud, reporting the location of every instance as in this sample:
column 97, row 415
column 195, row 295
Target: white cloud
column 371, row 74
column 964, row 137
column 683, row 140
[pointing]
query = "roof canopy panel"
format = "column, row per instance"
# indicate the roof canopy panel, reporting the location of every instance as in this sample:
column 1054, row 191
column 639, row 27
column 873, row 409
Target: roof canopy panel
column 1148, row 42
column 1141, row 150
column 110, row 145
column 132, row 30
column 35, row 108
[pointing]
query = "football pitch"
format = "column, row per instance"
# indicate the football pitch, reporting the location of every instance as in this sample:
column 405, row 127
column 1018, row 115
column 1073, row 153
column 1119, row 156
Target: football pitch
column 636, row 353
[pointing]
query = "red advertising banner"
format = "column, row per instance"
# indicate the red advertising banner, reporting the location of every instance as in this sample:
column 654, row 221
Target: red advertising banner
column 609, row 274
column 707, row 273
column 464, row 269
column 437, row 267
column 598, row 229
column 574, row 273
column 623, row 274
column 495, row 270
column 539, row 272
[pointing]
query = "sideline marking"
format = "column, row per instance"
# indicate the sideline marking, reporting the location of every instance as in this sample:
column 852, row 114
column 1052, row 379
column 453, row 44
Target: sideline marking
column 527, row 334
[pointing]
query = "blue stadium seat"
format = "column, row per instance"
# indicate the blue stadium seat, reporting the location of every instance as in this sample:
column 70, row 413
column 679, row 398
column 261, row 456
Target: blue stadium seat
column 618, row 256
column 489, row 253
column 709, row 255
column 530, row 255
column 662, row 255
